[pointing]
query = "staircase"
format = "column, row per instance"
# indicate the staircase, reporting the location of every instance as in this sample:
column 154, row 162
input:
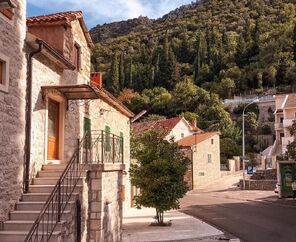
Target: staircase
column 29, row 207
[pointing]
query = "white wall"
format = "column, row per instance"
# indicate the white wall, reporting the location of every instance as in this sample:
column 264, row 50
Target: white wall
column 180, row 128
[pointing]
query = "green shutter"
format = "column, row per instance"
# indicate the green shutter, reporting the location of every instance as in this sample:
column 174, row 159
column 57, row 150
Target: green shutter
column 121, row 143
column 107, row 138
column 87, row 128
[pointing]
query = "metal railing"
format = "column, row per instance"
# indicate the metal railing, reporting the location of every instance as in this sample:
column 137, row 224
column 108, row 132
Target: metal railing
column 94, row 148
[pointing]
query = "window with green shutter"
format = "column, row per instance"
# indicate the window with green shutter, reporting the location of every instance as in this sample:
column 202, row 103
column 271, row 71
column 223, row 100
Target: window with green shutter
column 121, row 144
column 87, row 128
column 107, row 138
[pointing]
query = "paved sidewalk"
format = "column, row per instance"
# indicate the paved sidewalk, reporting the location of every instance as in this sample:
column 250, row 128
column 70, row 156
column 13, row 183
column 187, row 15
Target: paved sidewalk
column 136, row 227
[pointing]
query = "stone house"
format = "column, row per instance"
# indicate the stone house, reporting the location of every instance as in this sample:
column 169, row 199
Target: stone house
column 12, row 102
column 176, row 128
column 203, row 149
column 70, row 120
column 285, row 114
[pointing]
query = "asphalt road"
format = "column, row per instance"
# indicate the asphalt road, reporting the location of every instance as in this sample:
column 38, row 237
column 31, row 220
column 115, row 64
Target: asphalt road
column 251, row 221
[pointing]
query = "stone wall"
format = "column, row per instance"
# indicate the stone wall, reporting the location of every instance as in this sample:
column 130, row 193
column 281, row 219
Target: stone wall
column 117, row 123
column 204, row 171
column 12, row 109
column 268, row 185
column 103, row 203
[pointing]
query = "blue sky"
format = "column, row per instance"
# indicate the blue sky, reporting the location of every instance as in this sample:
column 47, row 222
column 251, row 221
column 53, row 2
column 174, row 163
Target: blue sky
column 105, row 11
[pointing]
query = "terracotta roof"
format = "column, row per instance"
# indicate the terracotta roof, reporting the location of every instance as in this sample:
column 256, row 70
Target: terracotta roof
column 166, row 125
column 195, row 139
column 63, row 18
column 291, row 101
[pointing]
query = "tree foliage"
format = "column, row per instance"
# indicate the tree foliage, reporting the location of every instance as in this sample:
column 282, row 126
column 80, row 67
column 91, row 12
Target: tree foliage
column 159, row 173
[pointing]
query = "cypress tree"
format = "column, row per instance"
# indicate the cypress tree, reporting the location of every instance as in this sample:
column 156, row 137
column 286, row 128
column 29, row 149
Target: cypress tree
column 294, row 43
column 241, row 51
column 121, row 72
column 114, row 75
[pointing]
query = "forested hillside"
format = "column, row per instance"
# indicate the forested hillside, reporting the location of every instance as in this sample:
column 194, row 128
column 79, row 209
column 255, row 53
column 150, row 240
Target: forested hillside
column 191, row 58
column 241, row 44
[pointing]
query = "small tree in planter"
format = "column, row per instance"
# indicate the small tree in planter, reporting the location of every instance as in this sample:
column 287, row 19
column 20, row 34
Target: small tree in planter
column 159, row 173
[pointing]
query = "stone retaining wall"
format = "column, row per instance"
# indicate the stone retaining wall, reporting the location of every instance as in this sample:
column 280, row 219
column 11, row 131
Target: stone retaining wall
column 267, row 185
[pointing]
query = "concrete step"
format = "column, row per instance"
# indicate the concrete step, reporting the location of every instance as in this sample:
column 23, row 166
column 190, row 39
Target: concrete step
column 32, row 215
column 50, row 181
column 54, row 167
column 36, row 206
column 49, row 188
column 42, row 197
column 19, row 236
column 26, row 225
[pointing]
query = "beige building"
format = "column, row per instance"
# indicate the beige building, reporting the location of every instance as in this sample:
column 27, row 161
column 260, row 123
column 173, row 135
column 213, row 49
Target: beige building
column 70, row 120
column 204, row 152
column 285, row 115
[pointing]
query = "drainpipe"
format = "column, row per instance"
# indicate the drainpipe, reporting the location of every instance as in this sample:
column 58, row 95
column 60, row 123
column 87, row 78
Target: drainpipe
column 27, row 148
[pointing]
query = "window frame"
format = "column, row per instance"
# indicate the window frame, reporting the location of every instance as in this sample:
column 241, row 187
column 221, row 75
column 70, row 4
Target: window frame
column 4, row 84
column 77, row 56
column 210, row 158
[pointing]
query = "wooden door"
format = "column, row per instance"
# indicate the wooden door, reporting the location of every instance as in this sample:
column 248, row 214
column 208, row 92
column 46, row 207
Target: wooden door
column 53, row 130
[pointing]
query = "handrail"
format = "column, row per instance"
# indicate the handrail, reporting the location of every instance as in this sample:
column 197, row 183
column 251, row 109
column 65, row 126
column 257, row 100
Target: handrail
column 64, row 188
column 55, row 197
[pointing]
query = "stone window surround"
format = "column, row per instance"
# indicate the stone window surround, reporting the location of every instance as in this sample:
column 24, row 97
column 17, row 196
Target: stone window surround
column 77, row 47
column 4, row 86
column 210, row 157
column 57, row 98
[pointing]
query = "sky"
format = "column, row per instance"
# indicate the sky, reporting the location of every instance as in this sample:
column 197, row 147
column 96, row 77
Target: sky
column 105, row 11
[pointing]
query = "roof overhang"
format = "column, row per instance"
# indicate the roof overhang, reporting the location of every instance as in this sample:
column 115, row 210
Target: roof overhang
column 6, row 4
column 72, row 92
column 49, row 51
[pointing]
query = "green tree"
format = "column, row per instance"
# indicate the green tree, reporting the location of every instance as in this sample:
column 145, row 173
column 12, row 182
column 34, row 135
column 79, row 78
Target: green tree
column 159, row 173
column 121, row 71
column 114, row 75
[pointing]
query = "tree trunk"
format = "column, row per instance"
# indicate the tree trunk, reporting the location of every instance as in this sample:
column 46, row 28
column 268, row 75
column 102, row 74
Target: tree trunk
column 159, row 216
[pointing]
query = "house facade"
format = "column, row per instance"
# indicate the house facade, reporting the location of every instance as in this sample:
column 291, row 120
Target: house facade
column 204, row 152
column 285, row 115
column 70, row 119
column 12, row 102
column 176, row 128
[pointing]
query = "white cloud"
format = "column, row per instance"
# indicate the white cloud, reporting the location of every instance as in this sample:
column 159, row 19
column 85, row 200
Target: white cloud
column 100, row 11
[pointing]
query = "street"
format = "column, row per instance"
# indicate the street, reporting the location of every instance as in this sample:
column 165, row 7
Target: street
column 252, row 216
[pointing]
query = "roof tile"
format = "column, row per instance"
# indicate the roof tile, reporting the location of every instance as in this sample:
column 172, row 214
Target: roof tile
column 196, row 138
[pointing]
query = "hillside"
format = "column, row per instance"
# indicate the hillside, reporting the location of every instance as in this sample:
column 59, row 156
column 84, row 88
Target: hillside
column 187, row 61
column 244, row 44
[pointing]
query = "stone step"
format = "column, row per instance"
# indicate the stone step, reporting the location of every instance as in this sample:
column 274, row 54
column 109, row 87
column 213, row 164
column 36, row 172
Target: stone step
column 50, row 181
column 49, row 188
column 36, row 206
column 26, row 225
column 19, row 236
column 50, row 173
column 54, row 167
column 54, row 174
column 43, row 197
column 32, row 215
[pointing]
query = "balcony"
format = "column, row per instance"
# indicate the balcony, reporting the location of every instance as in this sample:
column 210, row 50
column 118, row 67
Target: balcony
column 288, row 122
column 278, row 126
column 101, row 147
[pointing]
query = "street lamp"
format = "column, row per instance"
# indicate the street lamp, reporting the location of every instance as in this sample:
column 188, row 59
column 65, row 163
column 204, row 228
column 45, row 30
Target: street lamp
column 244, row 155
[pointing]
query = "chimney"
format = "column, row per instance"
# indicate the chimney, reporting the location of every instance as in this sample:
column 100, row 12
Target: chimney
column 194, row 124
column 96, row 79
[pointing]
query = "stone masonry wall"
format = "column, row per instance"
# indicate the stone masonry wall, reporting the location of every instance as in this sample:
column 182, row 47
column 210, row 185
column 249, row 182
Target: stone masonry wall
column 204, row 171
column 103, row 203
column 12, row 109
column 117, row 123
